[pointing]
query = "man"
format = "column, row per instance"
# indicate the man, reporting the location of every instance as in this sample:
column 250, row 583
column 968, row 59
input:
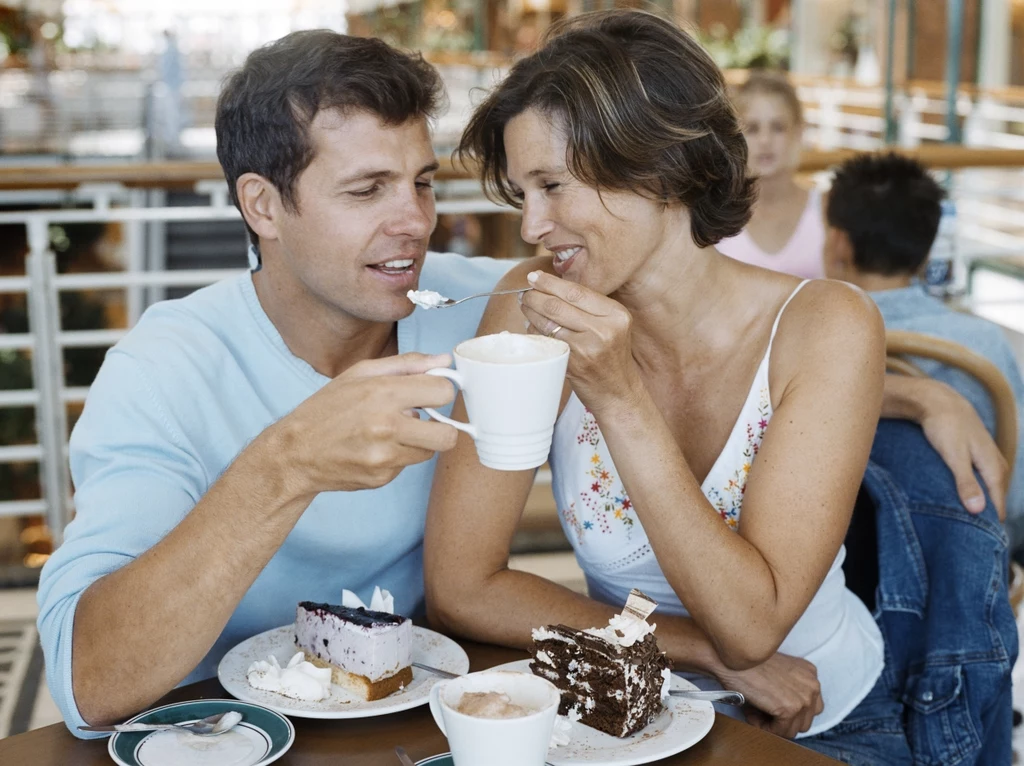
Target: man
column 257, row 443
column 883, row 214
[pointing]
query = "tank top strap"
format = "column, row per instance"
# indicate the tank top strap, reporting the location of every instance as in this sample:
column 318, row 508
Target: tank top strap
column 778, row 317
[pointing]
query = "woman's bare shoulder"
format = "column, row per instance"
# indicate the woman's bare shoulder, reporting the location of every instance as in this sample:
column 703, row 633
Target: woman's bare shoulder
column 832, row 324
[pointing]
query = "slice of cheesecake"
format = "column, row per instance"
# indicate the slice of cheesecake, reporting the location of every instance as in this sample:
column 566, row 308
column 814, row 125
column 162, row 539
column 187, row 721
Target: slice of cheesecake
column 369, row 653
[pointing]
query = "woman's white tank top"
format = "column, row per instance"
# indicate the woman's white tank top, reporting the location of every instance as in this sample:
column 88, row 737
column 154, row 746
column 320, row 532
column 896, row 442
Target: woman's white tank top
column 836, row 633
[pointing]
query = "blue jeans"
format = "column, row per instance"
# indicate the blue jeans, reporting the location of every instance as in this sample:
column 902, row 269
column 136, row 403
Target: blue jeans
column 871, row 735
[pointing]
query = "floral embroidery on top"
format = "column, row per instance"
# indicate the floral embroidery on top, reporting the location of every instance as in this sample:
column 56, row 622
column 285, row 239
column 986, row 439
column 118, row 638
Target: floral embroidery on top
column 728, row 499
column 604, row 503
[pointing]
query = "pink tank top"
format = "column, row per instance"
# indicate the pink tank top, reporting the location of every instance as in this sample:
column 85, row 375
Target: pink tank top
column 801, row 256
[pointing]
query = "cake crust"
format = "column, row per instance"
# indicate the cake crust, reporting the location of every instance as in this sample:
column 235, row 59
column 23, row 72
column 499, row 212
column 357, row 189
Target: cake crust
column 362, row 686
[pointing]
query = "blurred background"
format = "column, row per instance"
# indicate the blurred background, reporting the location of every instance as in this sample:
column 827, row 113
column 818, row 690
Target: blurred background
column 111, row 198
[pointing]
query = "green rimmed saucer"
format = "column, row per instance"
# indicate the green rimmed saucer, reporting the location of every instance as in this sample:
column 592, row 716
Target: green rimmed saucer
column 262, row 737
column 445, row 759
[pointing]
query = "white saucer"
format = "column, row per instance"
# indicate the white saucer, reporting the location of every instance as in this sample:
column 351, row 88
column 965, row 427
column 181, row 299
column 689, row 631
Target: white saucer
column 260, row 738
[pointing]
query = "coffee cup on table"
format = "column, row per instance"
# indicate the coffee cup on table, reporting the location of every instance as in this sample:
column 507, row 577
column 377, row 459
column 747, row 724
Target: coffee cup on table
column 496, row 717
column 512, row 386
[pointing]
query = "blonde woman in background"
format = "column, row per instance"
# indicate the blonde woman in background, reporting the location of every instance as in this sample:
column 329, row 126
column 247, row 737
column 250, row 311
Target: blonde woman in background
column 786, row 232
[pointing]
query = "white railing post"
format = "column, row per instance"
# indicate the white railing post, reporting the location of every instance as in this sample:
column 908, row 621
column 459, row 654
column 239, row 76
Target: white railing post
column 156, row 245
column 909, row 119
column 48, row 373
column 135, row 258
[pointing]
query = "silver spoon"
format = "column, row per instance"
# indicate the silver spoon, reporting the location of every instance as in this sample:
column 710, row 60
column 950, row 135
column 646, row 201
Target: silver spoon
column 726, row 697
column 205, row 727
column 403, row 756
column 448, row 302
column 435, row 671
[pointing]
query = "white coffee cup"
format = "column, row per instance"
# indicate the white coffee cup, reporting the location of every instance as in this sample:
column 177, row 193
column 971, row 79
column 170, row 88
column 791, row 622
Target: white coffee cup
column 512, row 386
column 477, row 741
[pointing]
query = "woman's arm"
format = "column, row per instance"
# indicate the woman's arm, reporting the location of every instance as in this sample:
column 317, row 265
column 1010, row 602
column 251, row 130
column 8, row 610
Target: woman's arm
column 746, row 590
column 473, row 514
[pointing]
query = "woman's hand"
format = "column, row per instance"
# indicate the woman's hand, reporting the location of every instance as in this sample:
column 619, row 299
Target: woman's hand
column 601, row 367
column 783, row 694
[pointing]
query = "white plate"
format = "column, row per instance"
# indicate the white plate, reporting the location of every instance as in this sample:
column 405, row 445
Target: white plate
column 428, row 647
column 682, row 724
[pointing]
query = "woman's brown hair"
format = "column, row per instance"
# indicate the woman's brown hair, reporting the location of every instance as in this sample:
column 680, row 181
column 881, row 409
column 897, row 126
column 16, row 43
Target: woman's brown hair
column 644, row 108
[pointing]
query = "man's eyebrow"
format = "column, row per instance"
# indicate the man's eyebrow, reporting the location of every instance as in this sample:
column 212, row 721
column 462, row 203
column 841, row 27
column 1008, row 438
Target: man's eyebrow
column 383, row 175
column 367, row 175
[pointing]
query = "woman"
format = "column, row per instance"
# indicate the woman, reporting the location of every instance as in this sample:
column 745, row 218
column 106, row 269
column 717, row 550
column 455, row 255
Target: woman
column 786, row 232
column 619, row 143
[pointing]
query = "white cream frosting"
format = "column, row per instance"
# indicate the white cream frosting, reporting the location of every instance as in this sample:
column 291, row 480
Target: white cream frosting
column 426, row 299
column 623, row 630
column 561, row 734
column 666, row 676
column 382, row 601
column 543, row 634
column 631, row 628
column 299, row 679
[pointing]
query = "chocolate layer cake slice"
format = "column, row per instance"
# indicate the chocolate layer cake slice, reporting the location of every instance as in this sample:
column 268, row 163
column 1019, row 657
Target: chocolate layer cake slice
column 369, row 653
column 614, row 678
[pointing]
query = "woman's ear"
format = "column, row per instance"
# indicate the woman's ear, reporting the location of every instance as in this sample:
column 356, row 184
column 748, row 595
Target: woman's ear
column 260, row 203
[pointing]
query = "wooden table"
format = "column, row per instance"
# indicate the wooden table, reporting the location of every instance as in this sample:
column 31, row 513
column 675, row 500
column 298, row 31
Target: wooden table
column 371, row 741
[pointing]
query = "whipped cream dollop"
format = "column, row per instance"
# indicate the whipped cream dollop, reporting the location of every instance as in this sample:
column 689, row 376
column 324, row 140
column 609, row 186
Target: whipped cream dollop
column 426, row 299
column 299, row 679
column 561, row 734
column 381, row 601
column 666, row 682
column 623, row 630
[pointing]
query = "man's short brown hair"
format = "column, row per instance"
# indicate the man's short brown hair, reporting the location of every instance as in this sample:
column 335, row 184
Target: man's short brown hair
column 266, row 108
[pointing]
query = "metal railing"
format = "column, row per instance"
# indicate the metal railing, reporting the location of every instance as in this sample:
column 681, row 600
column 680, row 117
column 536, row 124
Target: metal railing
column 46, row 339
column 991, row 227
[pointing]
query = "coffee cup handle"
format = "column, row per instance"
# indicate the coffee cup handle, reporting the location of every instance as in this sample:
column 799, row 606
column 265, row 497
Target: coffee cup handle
column 435, row 706
column 457, row 379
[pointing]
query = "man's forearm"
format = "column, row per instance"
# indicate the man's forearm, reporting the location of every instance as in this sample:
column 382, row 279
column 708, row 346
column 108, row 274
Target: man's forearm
column 906, row 398
column 142, row 629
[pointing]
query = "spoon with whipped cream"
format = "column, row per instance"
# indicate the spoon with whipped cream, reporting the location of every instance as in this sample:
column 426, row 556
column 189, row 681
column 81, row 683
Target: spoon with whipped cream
column 431, row 299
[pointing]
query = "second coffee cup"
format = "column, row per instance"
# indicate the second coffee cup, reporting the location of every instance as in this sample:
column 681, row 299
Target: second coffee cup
column 496, row 717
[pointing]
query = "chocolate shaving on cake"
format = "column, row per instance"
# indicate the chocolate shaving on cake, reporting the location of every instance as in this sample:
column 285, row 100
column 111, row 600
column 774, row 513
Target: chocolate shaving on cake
column 639, row 605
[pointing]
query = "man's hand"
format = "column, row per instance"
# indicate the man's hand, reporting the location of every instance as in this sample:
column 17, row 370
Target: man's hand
column 953, row 428
column 361, row 429
column 783, row 694
column 955, row 431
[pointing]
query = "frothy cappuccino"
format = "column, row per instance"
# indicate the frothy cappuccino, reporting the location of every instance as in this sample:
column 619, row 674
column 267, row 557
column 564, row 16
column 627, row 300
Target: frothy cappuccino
column 511, row 348
column 491, row 705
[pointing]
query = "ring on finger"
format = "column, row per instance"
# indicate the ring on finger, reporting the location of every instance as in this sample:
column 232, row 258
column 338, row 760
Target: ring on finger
column 554, row 332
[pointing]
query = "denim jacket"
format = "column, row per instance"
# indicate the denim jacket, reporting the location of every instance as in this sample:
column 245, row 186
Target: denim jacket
column 942, row 605
column 911, row 308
